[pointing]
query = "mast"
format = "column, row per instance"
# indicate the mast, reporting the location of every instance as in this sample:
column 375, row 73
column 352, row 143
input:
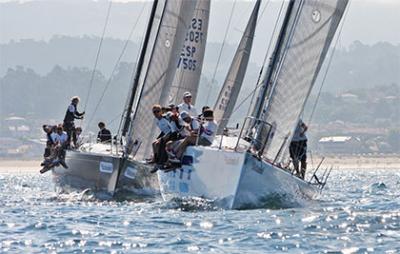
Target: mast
column 162, row 65
column 139, row 65
column 263, row 94
column 312, row 28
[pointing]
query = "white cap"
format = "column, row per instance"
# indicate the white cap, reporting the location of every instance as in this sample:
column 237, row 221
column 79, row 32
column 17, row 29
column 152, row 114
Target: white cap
column 184, row 114
column 75, row 98
column 187, row 94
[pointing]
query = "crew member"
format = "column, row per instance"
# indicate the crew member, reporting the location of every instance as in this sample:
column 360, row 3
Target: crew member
column 167, row 132
column 104, row 134
column 208, row 130
column 199, row 117
column 187, row 106
column 298, row 149
column 70, row 116
column 57, row 150
column 191, row 125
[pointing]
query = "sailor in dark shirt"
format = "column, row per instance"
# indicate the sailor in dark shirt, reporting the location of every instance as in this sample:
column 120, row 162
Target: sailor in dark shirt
column 69, row 125
column 104, row 135
column 200, row 117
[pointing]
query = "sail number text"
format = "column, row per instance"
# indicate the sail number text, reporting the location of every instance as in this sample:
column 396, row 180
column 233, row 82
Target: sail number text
column 194, row 37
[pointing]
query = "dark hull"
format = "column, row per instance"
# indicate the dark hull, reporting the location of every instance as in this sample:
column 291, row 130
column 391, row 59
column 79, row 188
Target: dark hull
column 100, row 172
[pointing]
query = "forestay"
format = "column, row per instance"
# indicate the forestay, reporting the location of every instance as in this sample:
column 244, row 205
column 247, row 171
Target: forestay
column 230, row 90
column 306, row 46
column 190, row 63
column 172, row 23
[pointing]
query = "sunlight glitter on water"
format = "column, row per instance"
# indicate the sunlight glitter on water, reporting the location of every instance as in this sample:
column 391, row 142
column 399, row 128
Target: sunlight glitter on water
column 357, row 213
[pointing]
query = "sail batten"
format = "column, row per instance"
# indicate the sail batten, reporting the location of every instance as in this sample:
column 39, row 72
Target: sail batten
column 230, row 89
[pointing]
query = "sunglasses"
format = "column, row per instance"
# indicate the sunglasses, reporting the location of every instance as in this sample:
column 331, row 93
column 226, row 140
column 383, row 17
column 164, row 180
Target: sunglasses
column 156, row 111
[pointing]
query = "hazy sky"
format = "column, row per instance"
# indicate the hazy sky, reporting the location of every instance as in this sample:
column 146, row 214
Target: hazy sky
column 368, row 21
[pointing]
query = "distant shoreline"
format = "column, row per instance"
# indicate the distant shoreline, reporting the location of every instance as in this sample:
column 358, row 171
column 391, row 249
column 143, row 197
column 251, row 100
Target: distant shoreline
column 358, row 161
column 338, row 162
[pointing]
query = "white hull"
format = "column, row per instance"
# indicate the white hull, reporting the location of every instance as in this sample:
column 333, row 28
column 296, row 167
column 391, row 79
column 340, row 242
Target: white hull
column 232, row 179
column 99, row 172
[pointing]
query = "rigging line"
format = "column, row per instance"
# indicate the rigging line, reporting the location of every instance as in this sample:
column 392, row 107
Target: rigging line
column 220, row 52
column 328, row 66
column 116, row 65
column 131, row 82
column 263, row 10
column 260, row 82
column 127, row 100
column 97, row 55
column 257, row 83
column 115, row 118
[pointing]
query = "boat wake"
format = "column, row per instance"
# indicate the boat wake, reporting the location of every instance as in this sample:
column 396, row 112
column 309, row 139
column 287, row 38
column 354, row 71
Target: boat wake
column 67, row 193
column 134, row 195
column 74, row 195
column 275, row 201
column 192, row 204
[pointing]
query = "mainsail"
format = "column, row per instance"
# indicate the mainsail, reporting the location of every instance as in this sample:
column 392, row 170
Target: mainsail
column 190, row 63
column 230, row 90
column 156, row 82
column 307, row 41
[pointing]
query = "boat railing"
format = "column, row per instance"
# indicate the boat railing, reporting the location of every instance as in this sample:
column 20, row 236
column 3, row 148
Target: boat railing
column 89, row 145
column 228, row 132
column 255, row 131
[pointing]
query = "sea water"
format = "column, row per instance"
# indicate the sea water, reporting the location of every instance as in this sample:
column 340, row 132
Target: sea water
column 358, row 212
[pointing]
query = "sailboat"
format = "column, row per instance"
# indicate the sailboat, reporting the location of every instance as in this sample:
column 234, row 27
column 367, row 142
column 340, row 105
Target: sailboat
column 108, row 167
column 245, row 171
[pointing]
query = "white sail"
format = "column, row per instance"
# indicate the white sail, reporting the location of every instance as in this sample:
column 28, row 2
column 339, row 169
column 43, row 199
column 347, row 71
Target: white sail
column 172, row 21
column 230, row 90
column 308, row 40
column 190, row 63
column 242, row 179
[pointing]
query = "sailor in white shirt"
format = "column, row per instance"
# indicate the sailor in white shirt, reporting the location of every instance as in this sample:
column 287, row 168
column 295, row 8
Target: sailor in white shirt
column 61, row 137
column 164, row 125
column 187, row 106
column 191, row 125
column 54, row 136
column 61, row 142
column 175, row 121
column 167, row 133
column 206, row 137
column 209, row 128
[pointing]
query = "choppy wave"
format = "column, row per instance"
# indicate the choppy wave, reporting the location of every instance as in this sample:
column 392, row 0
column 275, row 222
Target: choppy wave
column 359, row 212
